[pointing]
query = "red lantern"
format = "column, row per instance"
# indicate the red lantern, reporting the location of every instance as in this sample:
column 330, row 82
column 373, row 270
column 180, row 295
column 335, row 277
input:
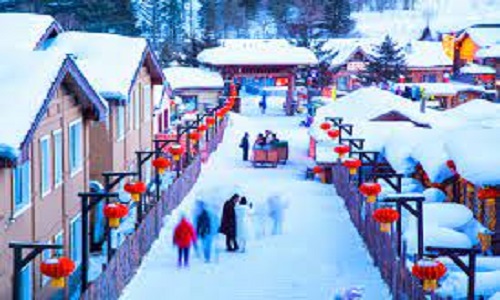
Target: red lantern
column 342, row 150
column 135, row 190
column 333, row 133
column 202, row 128
column 210, row 121
column 430, row 271
column 194, row 136
column 352, row 164
column 161, row 164
column 325, row 126
column 317, row 170
column 176, row 150
column 57, row 269
column 114, row 212
column 402, row 79
column 451, row 165
column 488, row 194
column 446, row 78
column 370, row 190
column 129, row 187
column 385, row 216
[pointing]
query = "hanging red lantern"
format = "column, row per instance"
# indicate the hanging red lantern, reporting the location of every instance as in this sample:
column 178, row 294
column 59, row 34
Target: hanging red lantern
column 370, row 190
column 385, row 216
column 161, row 164
column 210, row 121
column 430, row 271
column 488, row 194
column 202, row 128
column 115, row 212
column 57, row 269
column 333, row 133
column 352, row 164
column 135, row 190
column 342, row 150
column 325, row 126
column 194, row 136
column 176, row 150
column 402, row 79
column 317, row 170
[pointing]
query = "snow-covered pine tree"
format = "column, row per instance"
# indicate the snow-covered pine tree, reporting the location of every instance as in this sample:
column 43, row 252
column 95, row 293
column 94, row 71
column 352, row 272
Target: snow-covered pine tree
column 338, row 17
column 388, row 63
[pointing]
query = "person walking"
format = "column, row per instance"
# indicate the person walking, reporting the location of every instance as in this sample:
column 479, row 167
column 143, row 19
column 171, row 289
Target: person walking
column 263, row 103
column 184, row 237
column 242, row 211
column 204, row 230
column 276, row 208
column 228, row 223
column 245, row 145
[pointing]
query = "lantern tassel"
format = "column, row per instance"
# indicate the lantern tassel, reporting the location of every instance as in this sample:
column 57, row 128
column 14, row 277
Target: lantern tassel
column 114, row 222
column 385, row 227
column 177, row 157
column 353, row 171
column 136, row 197
column 430, row 285
column 58, row 282
column 161, row 171
column 371, row 199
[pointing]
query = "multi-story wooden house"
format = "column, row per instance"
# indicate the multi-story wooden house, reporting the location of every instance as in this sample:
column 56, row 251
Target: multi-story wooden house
column 47, row 109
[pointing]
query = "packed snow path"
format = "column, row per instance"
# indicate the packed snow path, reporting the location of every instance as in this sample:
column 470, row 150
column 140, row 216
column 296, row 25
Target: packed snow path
column 318, row 253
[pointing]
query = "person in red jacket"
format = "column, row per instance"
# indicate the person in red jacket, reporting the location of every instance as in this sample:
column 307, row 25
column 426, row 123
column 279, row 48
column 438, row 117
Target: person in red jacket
column 184, row 236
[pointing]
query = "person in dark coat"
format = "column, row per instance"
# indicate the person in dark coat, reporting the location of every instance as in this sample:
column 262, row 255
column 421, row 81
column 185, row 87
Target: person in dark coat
column 244, row 145
column 263, row 103
column 228, row 223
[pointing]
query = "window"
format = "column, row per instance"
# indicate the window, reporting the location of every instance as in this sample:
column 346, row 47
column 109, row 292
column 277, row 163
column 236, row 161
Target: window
column 75, row 147
column 147, row 102
column 120, row 122
column 46, row 254
column 45, row 163
column 59, row 240
column 58, row 157
column 76, row 240
column 26, row 283
column 137, row 107
column 429, row 78
column 21, row 183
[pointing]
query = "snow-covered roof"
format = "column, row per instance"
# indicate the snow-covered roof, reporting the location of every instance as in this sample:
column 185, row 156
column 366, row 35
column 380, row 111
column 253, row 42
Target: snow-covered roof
column 193, row 78
column 472, row 68
column 490, row 51
column 27, row 81
column 485, row 36
column 444, row 89
column 109, row 61
column 475, row 153
column 426, row 54
column 24, row 31
column 257, row 52
column 343, row 49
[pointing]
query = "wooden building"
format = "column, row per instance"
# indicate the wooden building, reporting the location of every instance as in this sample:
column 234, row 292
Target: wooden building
column 44, row 158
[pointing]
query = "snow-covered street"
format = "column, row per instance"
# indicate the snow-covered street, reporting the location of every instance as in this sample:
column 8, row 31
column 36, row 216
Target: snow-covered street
column 319, row 252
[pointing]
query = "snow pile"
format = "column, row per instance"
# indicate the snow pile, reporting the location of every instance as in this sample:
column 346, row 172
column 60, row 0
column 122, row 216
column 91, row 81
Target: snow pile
column 472, row 68
column 455, row 284
column 23, row 31
column 475, row 153
column 257, row 52
column 485, row 36
column 477, row 110
column 343, row 49
column 443, row 89
column 25, row 79
column 109, row 61
column 426, row 54
column 434, row 195
column 192, row 78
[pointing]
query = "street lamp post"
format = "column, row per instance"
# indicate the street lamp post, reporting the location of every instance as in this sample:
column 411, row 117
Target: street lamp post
column 20, row 262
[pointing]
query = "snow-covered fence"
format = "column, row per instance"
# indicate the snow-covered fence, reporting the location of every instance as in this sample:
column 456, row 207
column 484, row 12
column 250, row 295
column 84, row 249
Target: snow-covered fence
column 128, row 256
column 382, row 246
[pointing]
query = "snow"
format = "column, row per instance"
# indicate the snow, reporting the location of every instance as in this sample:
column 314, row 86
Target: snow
column 490, row 51
column 457, row 215
column 455, row 284
column 472, row 68
column 426, row 54
column 308, row 261
column 23, row 31
column 192, row 78
column 257, row 52
column 345, row 48
column 25, row 78
column 475, row 153
column 434, row 195
column 436, row 237
column 484, row 36
column 109, row 61
column 476, row 110
column 444, row 89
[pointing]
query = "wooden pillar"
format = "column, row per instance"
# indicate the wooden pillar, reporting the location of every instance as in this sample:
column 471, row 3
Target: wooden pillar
column 289, row 96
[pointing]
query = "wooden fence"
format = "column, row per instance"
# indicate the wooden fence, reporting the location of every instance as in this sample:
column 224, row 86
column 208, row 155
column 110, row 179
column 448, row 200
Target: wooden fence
column 128, row 257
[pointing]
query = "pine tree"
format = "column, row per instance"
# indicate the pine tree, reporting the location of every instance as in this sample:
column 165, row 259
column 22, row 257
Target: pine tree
column 338, row 17
column 388, row 63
